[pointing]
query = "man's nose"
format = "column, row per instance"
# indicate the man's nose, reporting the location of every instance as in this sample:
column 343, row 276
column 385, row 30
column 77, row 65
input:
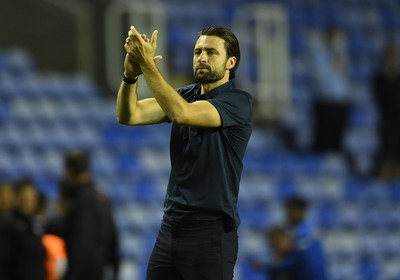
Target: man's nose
column 203, row 57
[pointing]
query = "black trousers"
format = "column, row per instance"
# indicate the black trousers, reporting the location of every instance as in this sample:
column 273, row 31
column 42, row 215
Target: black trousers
column 194, row 250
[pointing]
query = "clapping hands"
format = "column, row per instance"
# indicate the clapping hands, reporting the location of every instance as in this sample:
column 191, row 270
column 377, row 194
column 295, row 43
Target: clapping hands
column 139, row 51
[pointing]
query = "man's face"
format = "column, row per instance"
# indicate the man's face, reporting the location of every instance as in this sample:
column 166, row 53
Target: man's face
column 280, row 244
column 6, row 198
column 28, row 200
column 209, row 59
column 294, row 215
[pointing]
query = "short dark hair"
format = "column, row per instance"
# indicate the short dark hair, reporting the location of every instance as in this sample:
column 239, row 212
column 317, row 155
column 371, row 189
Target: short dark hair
column 231, row 43
column 23, row 183
column 77, row 161
column 275, row 231
column 297, row 202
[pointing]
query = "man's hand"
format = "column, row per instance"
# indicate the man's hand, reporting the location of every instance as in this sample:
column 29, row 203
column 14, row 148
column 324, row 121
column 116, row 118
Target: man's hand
column 131, row 63
column 139, row 48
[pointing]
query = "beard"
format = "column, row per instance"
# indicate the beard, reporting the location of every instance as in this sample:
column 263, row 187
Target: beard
column 206, row 75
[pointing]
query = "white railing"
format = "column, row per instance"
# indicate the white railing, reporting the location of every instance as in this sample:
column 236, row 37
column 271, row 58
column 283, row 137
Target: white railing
column 82, row 17
column 146, row 16
column 263, row 31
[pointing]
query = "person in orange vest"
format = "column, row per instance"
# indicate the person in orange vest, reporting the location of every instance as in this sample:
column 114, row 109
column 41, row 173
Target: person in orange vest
column 56, row 259
column 56, row 255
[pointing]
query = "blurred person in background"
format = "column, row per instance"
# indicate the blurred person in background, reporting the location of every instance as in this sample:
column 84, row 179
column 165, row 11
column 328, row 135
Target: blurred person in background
column 290, row 262
column 284, row 262
column 305, row 240
column 6, row 204
column 56, row 255
column 86, row 225
column 212, row 124
column 386, row 90
column 22, row 255
column 332, row 93
column 295, row 209
column 6, row 199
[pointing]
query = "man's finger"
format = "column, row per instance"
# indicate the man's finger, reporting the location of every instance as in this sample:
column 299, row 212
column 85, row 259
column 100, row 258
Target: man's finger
column 154, row 39
column 133, row 30
column 157, row 58
column 134, row 33
column 144, row 37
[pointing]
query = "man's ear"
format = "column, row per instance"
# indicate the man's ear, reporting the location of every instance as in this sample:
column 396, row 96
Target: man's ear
column 231, row 62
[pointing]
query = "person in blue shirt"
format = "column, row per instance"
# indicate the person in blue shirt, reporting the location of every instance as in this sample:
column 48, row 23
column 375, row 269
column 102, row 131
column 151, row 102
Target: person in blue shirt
column 290, row 262
column 300, row 253
column 211, row 126
column 295, row 209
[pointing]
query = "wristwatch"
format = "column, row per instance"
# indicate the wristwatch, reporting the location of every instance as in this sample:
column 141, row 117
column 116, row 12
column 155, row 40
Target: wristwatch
column 130, row 81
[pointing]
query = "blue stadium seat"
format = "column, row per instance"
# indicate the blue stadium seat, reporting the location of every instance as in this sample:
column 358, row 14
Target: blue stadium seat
column 49, row 114
column 393, row 190
column 248, row 271
column 287, row 187
column 328, row 215
column 17, row 63
column 369, row 269
column 254, row 218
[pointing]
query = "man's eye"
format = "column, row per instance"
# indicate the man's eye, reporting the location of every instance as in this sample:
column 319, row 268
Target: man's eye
column 196, row 52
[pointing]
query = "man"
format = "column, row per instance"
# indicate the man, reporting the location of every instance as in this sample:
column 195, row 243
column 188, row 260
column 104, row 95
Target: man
column 332, row 89
column 285, row 261
column 307, row 247
column 385, row 87
column 6, row 199
column 22, row 254
column 87, row 225
column 295, row 212
column 212, row 124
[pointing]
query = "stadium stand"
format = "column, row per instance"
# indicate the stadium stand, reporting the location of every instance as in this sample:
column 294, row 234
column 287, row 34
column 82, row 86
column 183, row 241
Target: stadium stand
column 42, row 115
